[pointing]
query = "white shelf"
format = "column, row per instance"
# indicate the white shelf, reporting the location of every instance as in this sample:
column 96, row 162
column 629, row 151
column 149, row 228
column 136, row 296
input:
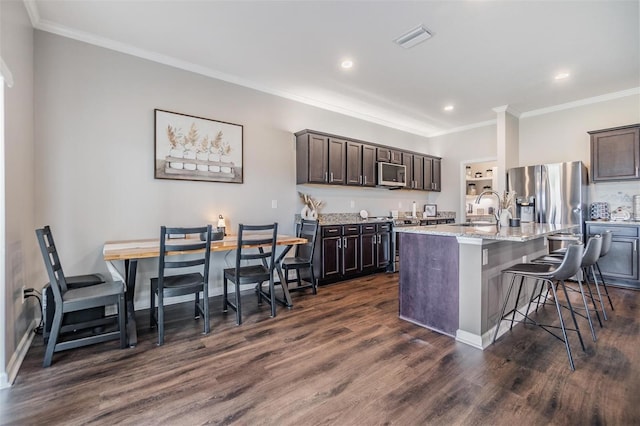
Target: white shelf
column 478, row 179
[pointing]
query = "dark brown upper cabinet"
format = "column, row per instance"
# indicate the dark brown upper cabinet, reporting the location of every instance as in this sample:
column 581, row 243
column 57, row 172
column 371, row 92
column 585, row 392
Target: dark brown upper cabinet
column 387, row 155
column 329, row 159
column 615, row 154
column 431, row 174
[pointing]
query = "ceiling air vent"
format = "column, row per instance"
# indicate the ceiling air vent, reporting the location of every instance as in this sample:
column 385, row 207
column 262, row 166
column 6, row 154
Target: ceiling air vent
column 413, row 37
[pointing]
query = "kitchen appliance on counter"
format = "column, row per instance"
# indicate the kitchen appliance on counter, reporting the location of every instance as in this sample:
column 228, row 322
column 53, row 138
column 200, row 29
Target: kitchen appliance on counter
column 550, row 193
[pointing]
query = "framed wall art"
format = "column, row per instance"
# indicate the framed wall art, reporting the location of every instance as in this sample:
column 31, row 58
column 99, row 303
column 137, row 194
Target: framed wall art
column 197, row 148
column 430, row 210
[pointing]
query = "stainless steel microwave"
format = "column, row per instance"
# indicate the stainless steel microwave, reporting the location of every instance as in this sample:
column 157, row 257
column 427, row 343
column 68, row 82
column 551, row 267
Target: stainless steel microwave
column 392, row 174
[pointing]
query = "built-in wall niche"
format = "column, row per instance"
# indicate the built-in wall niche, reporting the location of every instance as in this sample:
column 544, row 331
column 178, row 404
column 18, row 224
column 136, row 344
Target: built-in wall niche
column 480, row 176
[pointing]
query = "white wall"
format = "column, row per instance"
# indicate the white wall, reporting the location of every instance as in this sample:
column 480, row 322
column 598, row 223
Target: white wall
column 562, row 136
column 94, row 154
column 22, row 259
column 457, row 149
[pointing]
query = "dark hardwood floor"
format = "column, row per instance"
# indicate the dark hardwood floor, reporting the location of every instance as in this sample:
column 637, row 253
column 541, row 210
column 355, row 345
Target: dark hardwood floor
column 339, row 358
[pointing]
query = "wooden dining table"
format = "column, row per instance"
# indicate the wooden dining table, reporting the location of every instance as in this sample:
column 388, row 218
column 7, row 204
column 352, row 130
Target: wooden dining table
column 131, row 251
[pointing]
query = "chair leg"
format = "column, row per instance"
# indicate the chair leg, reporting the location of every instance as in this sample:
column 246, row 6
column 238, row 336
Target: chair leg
column 504, row 307
column 196, row 306
column 122, row 322
column 595, row 280
column 160, row 318
column 152, row 307
column 238, row 306
column 205, row 303
column 564, row 331
column 586, row 308
column 225, row 294
column 272, row 294
column 314, row 283
column 53, row 337
column 604, row 284
column 573, row 315
column 513, row 317
column 593, row 300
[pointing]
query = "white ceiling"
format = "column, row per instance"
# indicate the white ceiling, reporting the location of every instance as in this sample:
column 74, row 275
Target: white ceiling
column 483, row 54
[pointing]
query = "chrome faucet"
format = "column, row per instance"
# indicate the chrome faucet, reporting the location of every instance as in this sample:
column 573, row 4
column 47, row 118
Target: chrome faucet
column 497, row 210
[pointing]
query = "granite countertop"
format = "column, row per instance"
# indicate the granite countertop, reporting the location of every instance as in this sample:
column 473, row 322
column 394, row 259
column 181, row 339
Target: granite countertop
column 325, row 219
column 525, row 232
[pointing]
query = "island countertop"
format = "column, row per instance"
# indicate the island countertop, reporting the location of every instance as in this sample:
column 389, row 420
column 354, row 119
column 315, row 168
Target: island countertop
column 525, row 232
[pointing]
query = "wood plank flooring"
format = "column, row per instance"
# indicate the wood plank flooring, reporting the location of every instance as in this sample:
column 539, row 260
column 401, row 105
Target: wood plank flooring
column 341, row 357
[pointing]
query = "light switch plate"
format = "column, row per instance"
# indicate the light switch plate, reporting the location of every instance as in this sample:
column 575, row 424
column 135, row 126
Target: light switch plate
column 485, row 256
column 274, row 204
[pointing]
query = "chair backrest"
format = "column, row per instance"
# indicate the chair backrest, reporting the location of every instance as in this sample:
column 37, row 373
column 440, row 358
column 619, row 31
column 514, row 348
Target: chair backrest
column 261, row 236
column 570, row 263
column 57, row 281
column 592, row 251
column 309, row 230
column 191, row 247
column 607, row 236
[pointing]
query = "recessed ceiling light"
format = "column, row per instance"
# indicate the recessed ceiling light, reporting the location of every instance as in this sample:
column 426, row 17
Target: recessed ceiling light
column 347, row 64
column 448, row 108
column 562, row 76
column 413, row 37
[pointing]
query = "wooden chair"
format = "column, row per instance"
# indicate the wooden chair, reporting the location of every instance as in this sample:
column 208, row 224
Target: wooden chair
column 188, row 252
column 68, row 300
column 249, row 237
column 302, row 261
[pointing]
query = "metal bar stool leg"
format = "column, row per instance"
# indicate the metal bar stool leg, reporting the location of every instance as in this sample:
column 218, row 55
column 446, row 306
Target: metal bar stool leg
column 573, row 315
column 604, row 284
column 586, row 308
column 595, row 280
column 593, row 301
column 564, row 331
column 504, row 307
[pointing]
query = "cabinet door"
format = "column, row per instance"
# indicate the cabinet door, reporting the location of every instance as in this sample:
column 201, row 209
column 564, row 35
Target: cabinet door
column 384, row 155
column 418, row 172
column 368, row 166
column 615, row 154
column 337, row 161
column 396, row 157
column 368, row 253
column 407, row 160
column 622, row 259
column 331, row 250
column 383, row 247
column 354, row 163
column 428, row 172
column 318, row 157
column 435, row 174
column 350, row 254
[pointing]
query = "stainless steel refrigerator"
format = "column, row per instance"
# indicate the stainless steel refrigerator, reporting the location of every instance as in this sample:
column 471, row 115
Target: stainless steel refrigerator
column 550, row 193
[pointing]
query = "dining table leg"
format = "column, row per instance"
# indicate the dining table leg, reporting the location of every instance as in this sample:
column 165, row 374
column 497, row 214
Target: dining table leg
column 131, row 267
column 283, row 282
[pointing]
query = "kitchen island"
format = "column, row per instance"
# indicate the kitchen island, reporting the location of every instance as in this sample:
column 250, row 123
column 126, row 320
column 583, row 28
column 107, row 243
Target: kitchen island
column 450, row 275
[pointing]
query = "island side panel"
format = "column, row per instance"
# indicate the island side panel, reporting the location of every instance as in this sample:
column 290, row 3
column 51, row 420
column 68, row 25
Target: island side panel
column 429, row 281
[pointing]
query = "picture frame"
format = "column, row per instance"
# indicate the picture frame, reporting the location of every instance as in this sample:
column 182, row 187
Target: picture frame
column 431, row 210
column 194, row 148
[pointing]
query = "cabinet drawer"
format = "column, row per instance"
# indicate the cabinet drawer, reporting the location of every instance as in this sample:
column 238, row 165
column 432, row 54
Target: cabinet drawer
column 331, row 231
column 368, row 229
column 351, row 230
column 618, row 231
column 384, row 227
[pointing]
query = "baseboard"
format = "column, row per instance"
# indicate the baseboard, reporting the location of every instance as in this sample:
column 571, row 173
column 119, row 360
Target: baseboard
column 469, row 339
column 7, row 378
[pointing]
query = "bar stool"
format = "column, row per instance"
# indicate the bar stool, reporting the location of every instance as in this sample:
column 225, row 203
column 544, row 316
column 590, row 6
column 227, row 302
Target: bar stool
column 553, row 276
column 589, row 257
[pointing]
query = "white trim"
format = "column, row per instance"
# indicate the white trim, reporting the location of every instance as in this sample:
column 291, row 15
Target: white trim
column 582, row 102
column 32, row 11
column 5, row 73
column 469, row 339
column 464, row 128
column 4, row 379
column 7, row 379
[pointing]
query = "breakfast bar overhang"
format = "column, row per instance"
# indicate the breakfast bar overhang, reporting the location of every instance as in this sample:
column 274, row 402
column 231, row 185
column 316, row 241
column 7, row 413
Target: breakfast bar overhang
column 450, row 275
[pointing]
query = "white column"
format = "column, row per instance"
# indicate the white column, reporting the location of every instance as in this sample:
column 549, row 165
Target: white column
column 507, row 140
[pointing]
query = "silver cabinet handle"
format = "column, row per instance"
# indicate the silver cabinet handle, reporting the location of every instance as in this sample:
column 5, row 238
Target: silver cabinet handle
column 326, row 176
column 339, row 242
column 345, row 242
column 360, row 180
column 635, row 245
column 331, row 178
column 365, row 180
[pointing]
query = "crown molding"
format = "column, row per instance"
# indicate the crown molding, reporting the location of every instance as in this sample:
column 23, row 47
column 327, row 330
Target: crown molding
column 582, row 102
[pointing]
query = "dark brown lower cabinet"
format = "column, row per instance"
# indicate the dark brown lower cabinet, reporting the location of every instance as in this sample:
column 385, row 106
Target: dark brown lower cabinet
column 352, row 250
column 621, row 265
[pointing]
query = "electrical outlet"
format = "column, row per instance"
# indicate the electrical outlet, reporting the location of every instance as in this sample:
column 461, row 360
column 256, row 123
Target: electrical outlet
column 22, row 294
column 274, row 204
column 353, row 204
column 485, row 256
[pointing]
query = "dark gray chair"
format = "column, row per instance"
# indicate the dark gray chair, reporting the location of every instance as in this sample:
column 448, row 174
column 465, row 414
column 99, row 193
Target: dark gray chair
column 68, row 300
column 302, row 261
column 554, row 276
column 589, row 257
column 190, row 251
column 255, row 242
